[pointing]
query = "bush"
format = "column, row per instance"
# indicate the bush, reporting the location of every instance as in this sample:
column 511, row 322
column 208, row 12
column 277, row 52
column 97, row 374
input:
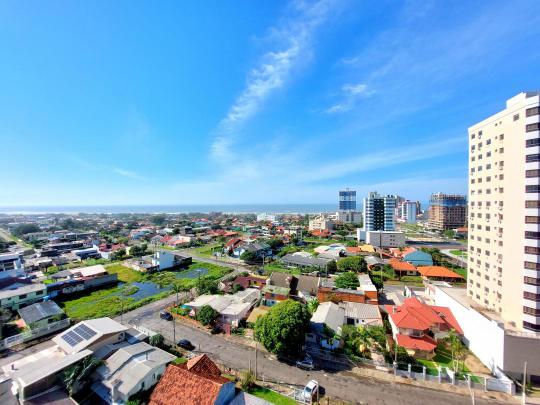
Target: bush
column 347, row 280
column 352, row 263
column 282, row 329
column 207, row 315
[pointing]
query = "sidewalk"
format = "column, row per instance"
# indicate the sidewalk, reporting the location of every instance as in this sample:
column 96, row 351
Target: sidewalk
column 366, row 372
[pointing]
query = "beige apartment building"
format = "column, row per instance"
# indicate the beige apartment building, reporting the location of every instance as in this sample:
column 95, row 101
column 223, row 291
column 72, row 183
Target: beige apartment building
column 504, row 213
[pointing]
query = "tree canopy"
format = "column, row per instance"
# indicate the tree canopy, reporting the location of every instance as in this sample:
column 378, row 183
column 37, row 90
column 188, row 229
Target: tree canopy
column 352, row 263
column 250, row 257
column 207, row 315
column 282, row 329
column 23, row 229
column 347, row 280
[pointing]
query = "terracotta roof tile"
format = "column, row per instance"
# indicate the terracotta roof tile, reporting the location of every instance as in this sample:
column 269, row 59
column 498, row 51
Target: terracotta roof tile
column 437, row 271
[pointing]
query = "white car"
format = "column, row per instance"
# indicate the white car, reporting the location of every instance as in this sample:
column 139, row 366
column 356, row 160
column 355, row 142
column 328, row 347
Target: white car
column 310, row 390
column 306, row 363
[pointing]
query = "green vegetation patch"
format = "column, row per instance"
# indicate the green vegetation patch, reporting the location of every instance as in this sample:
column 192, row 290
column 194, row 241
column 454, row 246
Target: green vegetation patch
column 125, row 274
column 271, row 396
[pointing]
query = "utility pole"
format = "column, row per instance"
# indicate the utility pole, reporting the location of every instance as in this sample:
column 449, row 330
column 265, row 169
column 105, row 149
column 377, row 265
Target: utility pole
column 174, row 330
column 524, row 384
column 256, row 343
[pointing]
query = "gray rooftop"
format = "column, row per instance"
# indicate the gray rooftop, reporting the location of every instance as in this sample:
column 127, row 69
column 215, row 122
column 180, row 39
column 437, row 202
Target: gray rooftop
column 25, row 289
column 40, row 310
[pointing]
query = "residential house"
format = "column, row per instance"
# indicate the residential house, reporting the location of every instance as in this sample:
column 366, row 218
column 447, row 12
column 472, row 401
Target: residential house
column 79, row 279
column 417, row 326
column 402, row 268
column 439, row 273
column 37, row 373
column 333, row 251
column 159, row 261
column 305, row 260
column 259, row 249
column 198, row 382
column 231, row 308
column 40, row 314
column 299, row 287
column 231, row 245
column 129, row 370
column 365, row 293
column 249, row 281
column 414, row 256
column 19, row 295
column 334, row 316
column 11, row 265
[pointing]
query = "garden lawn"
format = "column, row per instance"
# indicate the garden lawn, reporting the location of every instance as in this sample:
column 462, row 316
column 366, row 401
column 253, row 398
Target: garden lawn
column 460, row 253
column 271, row 396
column 442, row 358
column 125, row 274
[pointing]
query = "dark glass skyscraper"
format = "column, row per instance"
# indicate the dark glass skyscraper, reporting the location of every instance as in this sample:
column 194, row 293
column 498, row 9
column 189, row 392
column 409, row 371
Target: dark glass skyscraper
column 347, row 200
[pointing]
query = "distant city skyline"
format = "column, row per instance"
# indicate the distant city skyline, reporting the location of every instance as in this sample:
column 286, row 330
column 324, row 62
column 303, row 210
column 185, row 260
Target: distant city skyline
column 265, row 102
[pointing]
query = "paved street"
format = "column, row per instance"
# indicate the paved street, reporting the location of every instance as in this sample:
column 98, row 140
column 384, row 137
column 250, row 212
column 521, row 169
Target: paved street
column 337, row 384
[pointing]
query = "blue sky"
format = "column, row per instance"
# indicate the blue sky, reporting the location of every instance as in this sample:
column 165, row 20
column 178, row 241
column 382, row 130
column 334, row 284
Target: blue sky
column 262, row 102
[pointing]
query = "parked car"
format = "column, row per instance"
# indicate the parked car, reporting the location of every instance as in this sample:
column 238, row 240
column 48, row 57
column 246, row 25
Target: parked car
column 310, row 391
column 185, row 344
column 166, row 315
column 306, row 363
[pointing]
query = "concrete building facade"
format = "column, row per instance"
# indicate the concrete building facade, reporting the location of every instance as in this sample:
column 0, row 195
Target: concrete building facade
column 447, row 211
column 504, row 217
column 347, row 200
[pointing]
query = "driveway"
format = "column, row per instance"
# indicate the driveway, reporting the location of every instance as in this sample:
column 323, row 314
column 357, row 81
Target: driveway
column 338, row 384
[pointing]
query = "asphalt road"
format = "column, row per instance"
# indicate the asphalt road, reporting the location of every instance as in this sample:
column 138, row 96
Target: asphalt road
column 338, row 384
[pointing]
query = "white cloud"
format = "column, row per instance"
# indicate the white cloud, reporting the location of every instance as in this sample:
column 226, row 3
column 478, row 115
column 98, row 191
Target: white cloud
column 294, row 36
column 351, row 93
column 128, row 173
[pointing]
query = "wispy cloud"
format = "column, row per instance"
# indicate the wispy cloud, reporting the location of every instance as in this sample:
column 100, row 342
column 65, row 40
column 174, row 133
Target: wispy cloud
column 129, row 174
column 293, row 37
column 351, row 93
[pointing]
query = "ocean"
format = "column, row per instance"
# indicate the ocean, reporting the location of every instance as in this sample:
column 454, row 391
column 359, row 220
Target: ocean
column 174, row 209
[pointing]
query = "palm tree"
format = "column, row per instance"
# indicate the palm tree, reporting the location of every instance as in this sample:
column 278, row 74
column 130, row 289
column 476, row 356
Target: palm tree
column 76, row 376
column 157, row 340
column 177, row 289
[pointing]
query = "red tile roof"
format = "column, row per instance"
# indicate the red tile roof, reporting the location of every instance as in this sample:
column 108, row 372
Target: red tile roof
column 400, row 253
column 194, row 383
column 425, row 343
column 398, row 265
column 413, row 314
column 437, row 271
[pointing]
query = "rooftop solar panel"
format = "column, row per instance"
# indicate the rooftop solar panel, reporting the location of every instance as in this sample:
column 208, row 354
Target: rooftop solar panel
column 84, row 331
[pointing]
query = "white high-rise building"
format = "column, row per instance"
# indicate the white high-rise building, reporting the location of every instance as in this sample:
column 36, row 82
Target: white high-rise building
column 379, row 212
column 504, row 213
column 408, row 211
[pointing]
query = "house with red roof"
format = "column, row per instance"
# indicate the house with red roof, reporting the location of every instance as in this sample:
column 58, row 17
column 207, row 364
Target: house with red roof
column 439, row 273
column 197, row 382
column 403, row 268
column 417, row 326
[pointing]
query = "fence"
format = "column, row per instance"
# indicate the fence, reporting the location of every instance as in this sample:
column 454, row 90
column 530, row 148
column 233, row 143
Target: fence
column 442, row 375
column 33, row 334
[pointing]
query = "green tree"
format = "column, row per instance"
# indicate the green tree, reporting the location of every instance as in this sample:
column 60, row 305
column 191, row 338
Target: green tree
column 352, row 263
column 275, row 244
column 347, row 280
column 282, row 330
column 159, row 219
column 157, row 340
column 207, row 315
column 23, row 229
column 250, row 257
column 457, row 350
column 331, row 267
column 77, row 375
column 119, row 254
column 312, row 305
column 206, row 286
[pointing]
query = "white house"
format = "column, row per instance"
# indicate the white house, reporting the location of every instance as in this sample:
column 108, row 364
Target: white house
column 130, row 369
column 11, row 265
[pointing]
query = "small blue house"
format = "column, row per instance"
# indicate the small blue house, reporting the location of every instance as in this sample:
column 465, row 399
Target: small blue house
column 418, row 258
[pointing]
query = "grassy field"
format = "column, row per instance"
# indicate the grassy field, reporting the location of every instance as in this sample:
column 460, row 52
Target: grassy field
column 125, row 274
column 460, row 253
column 271, row 396
column 109, row 301
column 206, row 250
column 271, row 267
column 103, row 303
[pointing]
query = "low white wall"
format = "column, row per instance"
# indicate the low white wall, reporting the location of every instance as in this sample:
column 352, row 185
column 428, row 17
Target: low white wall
column 483, row 336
